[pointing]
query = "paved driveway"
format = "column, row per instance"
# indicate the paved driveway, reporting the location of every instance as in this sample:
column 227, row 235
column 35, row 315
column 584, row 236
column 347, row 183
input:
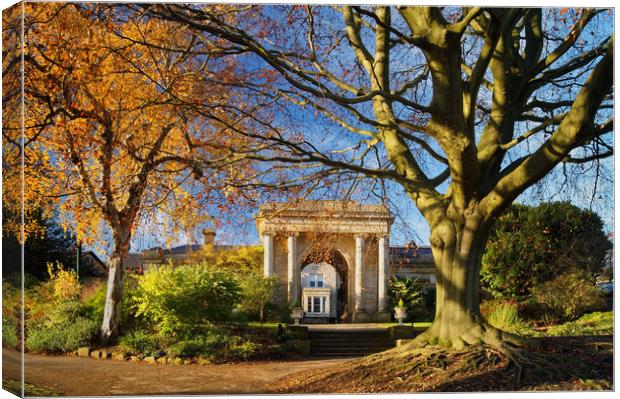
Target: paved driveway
column 77, row 376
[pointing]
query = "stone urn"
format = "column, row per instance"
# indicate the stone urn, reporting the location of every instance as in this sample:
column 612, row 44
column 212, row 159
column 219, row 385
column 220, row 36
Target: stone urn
column 297, row 312
column 400, row 312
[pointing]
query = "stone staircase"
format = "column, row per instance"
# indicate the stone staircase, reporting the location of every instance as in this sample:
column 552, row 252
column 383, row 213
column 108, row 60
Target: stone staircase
column 348, row 343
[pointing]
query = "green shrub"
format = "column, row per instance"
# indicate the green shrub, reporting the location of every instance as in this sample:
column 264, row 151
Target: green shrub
column 505, row 316
column 9, row 333
column 140, row 342
column 568, row 296
column 94, row 304
column 243, row 350
column 11, row 300
column 180, row 301
column 191, row 347
column 61, row 337
column 216, row 344
column 64, row 312
column 528, row 246
column 258, row 291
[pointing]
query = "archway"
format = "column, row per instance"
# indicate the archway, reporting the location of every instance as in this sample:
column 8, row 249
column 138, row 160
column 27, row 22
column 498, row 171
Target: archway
column 335, row 260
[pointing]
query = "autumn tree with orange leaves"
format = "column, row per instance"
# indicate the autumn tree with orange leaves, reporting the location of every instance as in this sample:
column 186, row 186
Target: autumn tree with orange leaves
column 122, row 144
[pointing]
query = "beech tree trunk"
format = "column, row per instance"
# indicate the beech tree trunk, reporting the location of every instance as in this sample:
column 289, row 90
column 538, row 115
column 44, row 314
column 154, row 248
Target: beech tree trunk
column 457, row 250
column 114, row 293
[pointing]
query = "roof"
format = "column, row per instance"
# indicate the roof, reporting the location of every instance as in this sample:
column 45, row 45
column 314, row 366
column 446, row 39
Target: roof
column 411, row 252
column 334, row 217
column 322, row 207
column 403, row 255
column 183, row 249
column 94, row 255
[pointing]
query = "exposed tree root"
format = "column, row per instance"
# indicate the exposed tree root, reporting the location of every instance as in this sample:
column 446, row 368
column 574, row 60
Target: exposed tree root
column 420, row 366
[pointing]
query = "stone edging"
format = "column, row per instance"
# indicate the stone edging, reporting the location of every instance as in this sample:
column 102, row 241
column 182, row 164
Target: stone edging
column 110, row 355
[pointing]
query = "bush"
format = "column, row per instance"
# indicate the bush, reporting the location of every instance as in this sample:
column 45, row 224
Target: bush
column 180, row 301
column 192, row 347
column 243, row 350
column 531, row 245
column 65, row 283
column 216, row 344
column 140, row 342
column 568, row 296
column 11, row 300
column 61, row 337
column 9, row 333
column 505, row 316
column 94, row 304
column 258, row 291
column 64, row 313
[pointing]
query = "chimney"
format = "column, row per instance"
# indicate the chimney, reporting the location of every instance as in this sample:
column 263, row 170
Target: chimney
column 208, row 236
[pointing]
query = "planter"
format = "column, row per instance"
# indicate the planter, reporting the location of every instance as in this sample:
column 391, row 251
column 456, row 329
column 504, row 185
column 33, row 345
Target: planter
column 400, row 313
column 297, row 314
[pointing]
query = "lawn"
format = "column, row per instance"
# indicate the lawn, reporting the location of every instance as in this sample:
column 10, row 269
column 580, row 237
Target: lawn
column 29, row 389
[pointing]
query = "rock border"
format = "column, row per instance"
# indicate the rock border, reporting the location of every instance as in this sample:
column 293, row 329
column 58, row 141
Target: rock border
column 103, row 354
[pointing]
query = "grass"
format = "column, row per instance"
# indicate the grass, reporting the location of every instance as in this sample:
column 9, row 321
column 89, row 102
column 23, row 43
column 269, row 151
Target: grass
column 29, row 389
column 597, row 323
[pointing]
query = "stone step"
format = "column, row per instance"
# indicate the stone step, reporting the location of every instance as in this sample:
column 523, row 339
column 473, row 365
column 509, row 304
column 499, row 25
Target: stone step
column 351, row 343
column 362, row 349
column 337, row 355
column 348, row 343
column 315, row 344
column 347, row 335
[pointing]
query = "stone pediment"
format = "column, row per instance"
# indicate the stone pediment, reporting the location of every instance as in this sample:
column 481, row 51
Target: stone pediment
column 324, row 216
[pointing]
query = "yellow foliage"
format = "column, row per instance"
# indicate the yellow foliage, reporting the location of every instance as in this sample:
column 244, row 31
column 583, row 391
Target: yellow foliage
column 113, row 135
column 65, row 283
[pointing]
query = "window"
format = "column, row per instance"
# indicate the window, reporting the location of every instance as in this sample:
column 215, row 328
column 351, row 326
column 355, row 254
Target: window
column 316, row 280
column 316, row 304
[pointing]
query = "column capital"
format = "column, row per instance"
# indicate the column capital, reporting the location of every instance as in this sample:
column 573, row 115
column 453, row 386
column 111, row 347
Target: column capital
column 292, row 234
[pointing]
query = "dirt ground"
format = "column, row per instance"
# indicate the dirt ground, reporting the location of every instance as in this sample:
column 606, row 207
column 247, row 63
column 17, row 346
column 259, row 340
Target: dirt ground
column 77, row 376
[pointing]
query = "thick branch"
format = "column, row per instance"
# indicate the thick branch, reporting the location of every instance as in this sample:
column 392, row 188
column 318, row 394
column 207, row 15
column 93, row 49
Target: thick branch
column 576, row 128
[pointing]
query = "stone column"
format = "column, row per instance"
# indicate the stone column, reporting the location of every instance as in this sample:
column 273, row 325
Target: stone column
column 292, row 275
column 359, row 266
column 268, row 254
column 384, row 263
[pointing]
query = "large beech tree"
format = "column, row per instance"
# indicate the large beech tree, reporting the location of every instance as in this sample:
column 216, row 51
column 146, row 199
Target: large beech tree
column 123, row 147
column 465, row 108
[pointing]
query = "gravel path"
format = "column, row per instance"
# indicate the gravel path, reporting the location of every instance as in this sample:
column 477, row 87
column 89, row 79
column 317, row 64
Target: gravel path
column 77, row 376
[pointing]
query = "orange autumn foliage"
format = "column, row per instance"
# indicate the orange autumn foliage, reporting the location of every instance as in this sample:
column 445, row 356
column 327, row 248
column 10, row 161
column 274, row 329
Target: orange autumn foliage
column 124, row 146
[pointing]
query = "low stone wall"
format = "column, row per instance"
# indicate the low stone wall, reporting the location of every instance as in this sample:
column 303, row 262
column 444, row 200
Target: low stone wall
column 120, row 356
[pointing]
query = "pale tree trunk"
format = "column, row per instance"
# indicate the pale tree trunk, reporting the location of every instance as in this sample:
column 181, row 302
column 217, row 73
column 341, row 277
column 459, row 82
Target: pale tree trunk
column 114, row 294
